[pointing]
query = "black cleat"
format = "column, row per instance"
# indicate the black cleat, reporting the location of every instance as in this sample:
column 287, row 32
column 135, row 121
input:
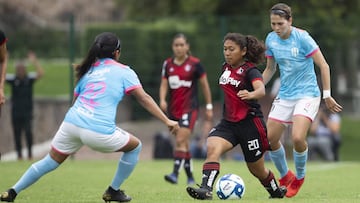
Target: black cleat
column 115, row 195
column 199, row 193
column 171, row 178
column 8, row 196
column 280, row 192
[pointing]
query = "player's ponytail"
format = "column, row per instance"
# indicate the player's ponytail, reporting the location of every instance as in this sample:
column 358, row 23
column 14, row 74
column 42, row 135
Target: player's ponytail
column 104, row 46
column 255, row 50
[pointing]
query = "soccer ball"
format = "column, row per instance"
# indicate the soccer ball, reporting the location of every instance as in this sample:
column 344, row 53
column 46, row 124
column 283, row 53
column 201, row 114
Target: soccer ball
column 230, row 186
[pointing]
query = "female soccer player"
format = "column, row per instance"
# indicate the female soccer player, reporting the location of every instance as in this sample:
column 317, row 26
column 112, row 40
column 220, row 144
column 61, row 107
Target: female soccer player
column 180, row 75
column 297, row 103
column 242, row 121
column 102, row 83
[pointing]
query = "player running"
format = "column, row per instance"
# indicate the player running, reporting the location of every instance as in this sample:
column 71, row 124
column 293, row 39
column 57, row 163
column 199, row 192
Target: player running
column 102, row 83
column 242, row 122
column 298, row 100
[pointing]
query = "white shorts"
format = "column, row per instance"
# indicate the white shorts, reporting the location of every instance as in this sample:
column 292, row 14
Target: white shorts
column 284, row 110
column 70, row 138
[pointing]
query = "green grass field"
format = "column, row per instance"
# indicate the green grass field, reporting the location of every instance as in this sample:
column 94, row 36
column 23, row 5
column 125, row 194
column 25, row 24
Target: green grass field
column 85, row 181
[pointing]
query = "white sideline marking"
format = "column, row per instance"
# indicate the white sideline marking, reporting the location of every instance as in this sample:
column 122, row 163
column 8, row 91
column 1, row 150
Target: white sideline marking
column 38, row 150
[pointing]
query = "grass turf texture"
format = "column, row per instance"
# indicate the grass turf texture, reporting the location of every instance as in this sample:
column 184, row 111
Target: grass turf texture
column 85, row 181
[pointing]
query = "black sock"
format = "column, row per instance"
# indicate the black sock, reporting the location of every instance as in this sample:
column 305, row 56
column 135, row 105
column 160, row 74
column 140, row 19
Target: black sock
column 188, row 165
column 270, row 184
column 178, row 159
column 210, row 171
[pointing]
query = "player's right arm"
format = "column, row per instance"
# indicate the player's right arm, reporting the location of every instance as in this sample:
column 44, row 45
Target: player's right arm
column 269, row 70
column 162, row 94
column 150, row 105
column 3, row 65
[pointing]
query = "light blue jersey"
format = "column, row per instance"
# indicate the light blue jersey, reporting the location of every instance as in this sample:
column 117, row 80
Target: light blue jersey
column 293, row 55
column 98, row 93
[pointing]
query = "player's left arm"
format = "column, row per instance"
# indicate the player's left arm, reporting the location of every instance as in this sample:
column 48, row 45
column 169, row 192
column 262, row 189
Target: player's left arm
column 204, row 83
column 320, row 61
column 257, row 93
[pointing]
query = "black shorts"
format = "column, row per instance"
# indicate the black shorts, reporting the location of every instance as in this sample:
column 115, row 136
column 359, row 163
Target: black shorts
column 187, row 120
column 250, row 133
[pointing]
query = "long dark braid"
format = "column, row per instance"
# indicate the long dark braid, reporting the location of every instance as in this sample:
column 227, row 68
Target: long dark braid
column 104, row 46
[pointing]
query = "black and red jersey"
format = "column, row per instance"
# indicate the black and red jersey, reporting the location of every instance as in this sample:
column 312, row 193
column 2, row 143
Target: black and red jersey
column 232, row 80
column 183, row 88
column 3, row 38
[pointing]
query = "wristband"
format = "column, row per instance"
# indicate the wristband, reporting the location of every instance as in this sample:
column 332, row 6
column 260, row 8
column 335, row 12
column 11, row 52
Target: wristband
column 326, row 94
column 209, row 106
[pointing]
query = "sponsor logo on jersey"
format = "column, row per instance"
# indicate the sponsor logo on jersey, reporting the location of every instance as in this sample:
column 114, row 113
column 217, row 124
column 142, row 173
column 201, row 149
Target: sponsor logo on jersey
column 226, row 79
column 175, row 82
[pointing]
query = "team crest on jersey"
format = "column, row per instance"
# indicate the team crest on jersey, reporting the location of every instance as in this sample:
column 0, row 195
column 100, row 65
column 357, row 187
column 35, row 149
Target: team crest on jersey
column 240, row 71
column 171, row 69
column 187, row 68
column 294, row 51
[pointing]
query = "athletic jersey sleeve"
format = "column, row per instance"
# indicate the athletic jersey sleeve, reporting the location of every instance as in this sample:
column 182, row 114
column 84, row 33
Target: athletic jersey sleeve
column 308, row 44
column 254, row 74
column 163, row 70
column 131, row 80
column 200, row 71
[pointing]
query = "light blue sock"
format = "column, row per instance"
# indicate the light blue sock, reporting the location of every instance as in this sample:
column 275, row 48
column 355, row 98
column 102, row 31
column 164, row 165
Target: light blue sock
column 36, row 171
column 279, row 159
column 126, row 165
column 300, row 159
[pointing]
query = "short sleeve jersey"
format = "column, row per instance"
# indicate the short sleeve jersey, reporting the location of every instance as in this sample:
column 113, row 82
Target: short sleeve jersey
column 232, row 80
column 293, row 55
column 3, row 38
column 183, row 88
column 98, row 93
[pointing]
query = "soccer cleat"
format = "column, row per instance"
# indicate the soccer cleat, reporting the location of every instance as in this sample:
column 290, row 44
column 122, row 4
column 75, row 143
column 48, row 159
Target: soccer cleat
column 294, row 187
column 287, row 179
column 115, row 195
column 8, row 196
column 190, row 181
column 199, row 193
column 280, row 192
column 171, row 178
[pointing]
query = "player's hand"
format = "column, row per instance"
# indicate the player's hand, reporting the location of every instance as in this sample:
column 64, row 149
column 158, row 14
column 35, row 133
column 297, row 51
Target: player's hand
column 163, row 106
column 332, row 105
column 173, row 126
column 2, row 97
column 245, row 95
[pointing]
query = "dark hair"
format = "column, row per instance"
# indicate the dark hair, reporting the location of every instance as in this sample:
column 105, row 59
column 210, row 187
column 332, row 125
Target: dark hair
column 282, row 10
column 182, row 35
column 255, row 52
column 104, row 46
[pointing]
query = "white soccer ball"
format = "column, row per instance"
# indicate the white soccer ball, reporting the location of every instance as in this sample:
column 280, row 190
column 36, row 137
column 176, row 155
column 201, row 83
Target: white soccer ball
column 230, row 186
